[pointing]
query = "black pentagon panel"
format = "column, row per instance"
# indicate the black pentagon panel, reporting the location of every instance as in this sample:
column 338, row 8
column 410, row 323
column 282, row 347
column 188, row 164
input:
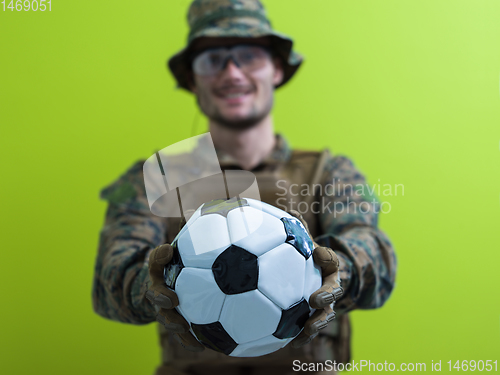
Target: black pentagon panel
column 292, row 320
column 215, row 337
column 222, row 206
column 173, row 269
column 236, row 270
column 297, row 236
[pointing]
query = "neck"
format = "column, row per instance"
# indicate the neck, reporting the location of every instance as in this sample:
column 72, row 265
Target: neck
column 248, row 146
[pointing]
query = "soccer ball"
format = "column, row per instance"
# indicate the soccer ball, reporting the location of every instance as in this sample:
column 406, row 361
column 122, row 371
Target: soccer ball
column 243, row 271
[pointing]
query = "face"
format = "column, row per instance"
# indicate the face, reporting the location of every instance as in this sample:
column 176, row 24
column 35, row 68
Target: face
column 234, row 98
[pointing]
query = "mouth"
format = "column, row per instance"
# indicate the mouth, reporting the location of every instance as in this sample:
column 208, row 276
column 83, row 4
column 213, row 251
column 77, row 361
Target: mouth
column 233, row 95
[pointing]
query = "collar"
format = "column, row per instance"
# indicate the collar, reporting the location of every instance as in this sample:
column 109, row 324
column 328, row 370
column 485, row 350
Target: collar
column 280, row 154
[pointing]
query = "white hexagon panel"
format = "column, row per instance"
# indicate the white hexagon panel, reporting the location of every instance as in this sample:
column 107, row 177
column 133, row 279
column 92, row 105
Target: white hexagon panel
column 254, row 230
column 281, row 275
column 239, row 309
column 271, row 210
column 196, row 287
column 204, row 240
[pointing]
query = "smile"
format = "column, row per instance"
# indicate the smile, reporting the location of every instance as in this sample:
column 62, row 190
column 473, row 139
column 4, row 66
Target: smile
column 234, row 93
column 237, row 95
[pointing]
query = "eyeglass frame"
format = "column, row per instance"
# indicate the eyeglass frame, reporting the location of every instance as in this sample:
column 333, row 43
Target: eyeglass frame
column 194, row 54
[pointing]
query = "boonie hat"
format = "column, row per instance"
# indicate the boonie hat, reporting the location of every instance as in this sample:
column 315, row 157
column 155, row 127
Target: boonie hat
column 232, row 18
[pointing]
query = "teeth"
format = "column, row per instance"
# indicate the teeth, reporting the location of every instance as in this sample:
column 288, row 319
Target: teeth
column 231, row 96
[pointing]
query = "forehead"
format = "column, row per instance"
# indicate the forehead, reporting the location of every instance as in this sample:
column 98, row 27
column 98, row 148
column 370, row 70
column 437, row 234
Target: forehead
column 206, row 42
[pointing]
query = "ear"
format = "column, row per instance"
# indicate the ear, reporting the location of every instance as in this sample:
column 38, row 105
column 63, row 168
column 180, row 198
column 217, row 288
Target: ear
column 278, row 71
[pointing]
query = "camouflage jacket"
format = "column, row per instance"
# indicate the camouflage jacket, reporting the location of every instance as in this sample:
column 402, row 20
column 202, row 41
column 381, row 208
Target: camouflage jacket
column 130, row 231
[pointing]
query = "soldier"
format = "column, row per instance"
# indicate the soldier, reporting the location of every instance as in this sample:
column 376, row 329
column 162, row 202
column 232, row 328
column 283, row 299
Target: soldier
column 232, row 63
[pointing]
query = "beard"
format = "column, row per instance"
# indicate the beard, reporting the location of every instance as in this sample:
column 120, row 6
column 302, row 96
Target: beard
column 254, row 118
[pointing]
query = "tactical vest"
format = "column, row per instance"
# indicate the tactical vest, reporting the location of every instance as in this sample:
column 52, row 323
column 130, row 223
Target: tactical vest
column 333, row 343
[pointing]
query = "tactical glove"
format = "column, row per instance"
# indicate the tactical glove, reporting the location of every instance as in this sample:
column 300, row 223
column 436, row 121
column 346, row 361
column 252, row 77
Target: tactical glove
column 324, row 298
column 160, row 295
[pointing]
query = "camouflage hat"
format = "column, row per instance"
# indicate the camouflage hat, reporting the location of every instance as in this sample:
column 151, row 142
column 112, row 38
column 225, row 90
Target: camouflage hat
column 232, row 18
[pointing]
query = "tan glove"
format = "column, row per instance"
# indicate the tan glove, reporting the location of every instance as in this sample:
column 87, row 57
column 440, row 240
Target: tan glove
column 324, row 297
column 166, row 299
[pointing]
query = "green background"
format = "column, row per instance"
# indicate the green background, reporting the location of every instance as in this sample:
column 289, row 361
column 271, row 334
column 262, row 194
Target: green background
column 408, row 89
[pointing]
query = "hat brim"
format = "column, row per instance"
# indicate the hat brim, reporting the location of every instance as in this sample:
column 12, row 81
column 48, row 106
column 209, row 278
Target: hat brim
column 280, row 44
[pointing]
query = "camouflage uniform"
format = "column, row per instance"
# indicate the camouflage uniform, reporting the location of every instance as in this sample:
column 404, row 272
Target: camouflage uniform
column 367, row 259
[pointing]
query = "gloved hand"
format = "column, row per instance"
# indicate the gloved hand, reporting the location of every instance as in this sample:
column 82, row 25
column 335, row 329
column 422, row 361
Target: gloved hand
column 160, row 295
column 324, row 297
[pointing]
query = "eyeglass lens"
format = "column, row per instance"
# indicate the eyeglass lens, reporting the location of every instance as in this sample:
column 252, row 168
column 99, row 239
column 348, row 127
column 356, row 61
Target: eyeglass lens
column 247, row 58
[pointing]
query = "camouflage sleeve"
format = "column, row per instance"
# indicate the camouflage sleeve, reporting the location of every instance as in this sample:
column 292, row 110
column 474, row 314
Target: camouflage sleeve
column 130, row 232
column 349, row 220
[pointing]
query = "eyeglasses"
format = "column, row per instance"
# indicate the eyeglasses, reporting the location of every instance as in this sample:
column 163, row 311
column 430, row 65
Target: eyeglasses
column 246, row 57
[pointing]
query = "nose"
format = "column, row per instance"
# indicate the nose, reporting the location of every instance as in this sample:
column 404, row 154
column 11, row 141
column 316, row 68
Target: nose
column 231, row 69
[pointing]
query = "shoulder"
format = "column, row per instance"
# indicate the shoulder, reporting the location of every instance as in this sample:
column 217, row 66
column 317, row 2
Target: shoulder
column 339, row 162
column 127, row 186
column 329, row 160
column 343, row 168
column 303, row 156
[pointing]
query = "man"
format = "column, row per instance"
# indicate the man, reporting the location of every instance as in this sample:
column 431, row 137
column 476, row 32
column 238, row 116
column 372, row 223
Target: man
column 232, row 63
